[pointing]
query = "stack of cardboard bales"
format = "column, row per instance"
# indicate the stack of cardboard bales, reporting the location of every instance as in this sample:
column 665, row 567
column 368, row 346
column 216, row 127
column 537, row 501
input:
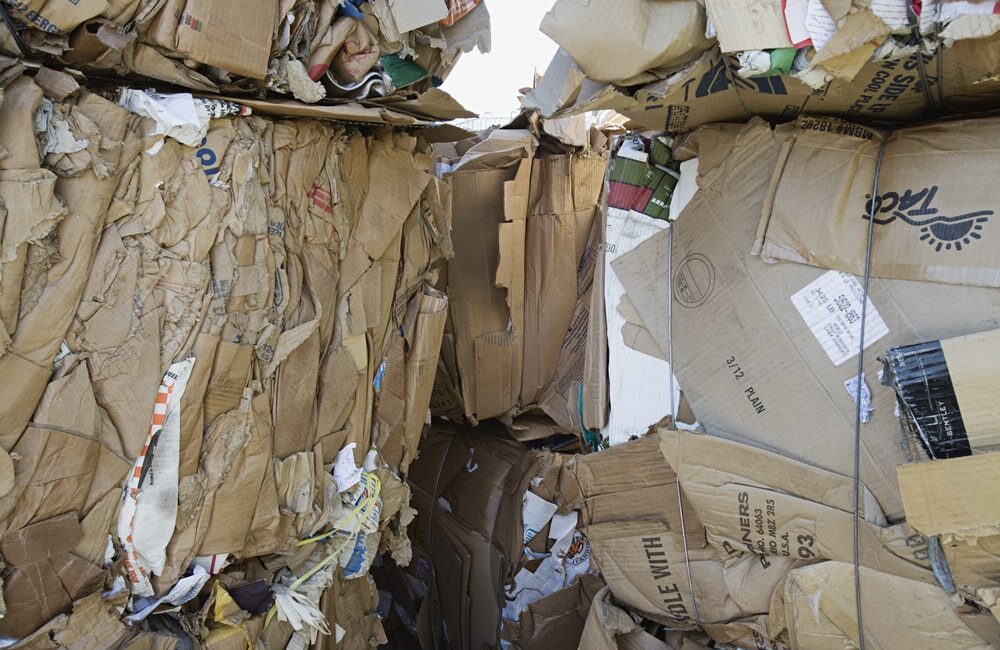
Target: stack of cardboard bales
column 382, row 51
column 723, row 335
column 217, row 358
column 678, row 64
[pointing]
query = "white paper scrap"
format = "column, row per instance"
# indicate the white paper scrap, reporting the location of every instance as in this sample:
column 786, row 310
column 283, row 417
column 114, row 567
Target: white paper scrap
column 686, row 188
column 537, row 513
column 345, row 472
column 176, row 115
column 866, row 395
column 185, row 589
column 562, row 525
column 893, row 13
column 795, row 22
column 958, row 8
column 639, row 384
column 819, row 24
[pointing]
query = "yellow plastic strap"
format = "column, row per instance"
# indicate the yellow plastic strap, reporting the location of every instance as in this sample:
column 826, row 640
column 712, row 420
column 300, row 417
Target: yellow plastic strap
column 361, row 512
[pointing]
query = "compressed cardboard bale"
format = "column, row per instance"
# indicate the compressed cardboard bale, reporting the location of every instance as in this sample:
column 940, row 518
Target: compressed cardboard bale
column 525, row 254
column 773, row 394
column 206, row 46
column 46, row 312
column 226, row 255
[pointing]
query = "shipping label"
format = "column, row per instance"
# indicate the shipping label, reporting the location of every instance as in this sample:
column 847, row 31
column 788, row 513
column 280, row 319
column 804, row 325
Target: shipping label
column 831, row 308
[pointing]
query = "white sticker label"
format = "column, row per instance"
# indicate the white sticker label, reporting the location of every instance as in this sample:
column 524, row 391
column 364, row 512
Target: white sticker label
column 831, row 308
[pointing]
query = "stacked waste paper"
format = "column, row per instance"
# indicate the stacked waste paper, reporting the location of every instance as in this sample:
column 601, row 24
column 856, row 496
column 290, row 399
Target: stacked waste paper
column 677, row 64
column 218, row 361
column 307, row 49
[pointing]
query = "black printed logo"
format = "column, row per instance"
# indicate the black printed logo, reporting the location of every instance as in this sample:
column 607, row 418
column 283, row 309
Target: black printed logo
column 721, row 77
column 939, row 231
column 694, row 280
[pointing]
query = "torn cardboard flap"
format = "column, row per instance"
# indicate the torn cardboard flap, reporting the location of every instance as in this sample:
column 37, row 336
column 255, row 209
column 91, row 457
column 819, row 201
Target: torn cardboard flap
column 46, row 575
column 609, row 627
column 559, row 86
column 932, row 223
column 954, row 497
column 819, row 605
column 557, row 619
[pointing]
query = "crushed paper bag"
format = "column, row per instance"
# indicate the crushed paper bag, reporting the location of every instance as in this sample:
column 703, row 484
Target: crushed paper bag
column 149, row 502
column 952, row 498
